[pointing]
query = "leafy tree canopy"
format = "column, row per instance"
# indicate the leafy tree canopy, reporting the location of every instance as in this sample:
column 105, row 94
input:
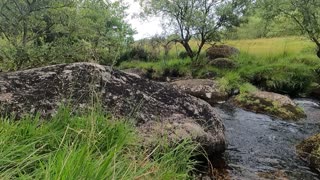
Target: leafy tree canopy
column 199, row 19
column 304, row 13
column 34, row 32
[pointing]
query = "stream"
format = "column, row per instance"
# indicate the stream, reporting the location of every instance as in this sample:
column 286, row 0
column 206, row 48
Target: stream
column 262, row 147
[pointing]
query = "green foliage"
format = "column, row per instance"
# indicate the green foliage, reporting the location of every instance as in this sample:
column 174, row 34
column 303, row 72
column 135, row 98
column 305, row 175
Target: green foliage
column 199, row 19
column 247, row 88
column 34, row 33
column 305, row 14
column 283, row 65
column 87, row 146
column 161, row 69
column 259, row 27
column 140, row 53
column 230, row 81
column 283, row 74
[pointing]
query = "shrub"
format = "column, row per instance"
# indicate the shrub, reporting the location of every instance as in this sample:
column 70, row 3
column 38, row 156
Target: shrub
column 284, row 78
column 138, row 53
column 183, row 55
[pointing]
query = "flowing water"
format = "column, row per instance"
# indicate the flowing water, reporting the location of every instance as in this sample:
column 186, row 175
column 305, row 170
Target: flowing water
column 263, row 147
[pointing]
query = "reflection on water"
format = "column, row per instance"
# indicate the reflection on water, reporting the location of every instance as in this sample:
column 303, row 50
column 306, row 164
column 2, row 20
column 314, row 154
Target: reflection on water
column 260, row 147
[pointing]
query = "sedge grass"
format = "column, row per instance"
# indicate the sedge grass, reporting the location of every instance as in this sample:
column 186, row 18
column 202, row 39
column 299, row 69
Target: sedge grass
column 87, row 146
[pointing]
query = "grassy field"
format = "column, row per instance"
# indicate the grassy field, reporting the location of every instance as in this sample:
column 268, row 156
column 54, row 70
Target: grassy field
column 274, row 46
column 264, row 46
column 87, row 146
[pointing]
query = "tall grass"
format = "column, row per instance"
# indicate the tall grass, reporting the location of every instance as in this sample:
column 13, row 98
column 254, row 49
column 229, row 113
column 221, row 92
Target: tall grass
column 87, row 146
column 270, row 47
column 175, row 67
column 287, row 74
column 263, row 47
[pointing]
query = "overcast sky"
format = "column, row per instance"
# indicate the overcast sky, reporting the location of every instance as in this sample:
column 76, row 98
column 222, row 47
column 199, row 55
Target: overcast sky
column 144, row 29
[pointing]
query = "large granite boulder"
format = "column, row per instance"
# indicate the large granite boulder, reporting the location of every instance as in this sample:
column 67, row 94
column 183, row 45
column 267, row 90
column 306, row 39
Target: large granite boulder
column 149, row 104
column 270, row 103
column 205, row 89
column 221, row 51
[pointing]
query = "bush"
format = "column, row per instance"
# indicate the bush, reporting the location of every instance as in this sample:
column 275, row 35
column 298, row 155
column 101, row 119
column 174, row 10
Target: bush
column 183, row 55
column 138, row 53
column 280, row 77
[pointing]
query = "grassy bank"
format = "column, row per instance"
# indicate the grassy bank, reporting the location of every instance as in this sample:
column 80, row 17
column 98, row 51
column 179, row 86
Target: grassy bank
column 87, row 146
column 284, row 65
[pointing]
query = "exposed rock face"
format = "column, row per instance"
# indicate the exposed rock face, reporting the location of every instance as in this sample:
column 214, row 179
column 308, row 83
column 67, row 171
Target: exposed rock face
column 221, row 51
column 270, row 103
column 309, row 151
column 224, row 63
column 205, row 89
column 150, row 104
column 138, row 72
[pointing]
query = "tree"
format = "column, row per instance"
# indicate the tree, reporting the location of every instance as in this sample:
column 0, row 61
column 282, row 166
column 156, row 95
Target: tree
column 164, row 41
column 103, row 26
column 24, row 21
column 40, row 32
column 198, row 19
column 305, row 13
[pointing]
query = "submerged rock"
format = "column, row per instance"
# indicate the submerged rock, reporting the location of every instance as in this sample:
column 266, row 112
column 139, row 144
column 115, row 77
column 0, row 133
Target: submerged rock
column 309, row 150
column 270, row 103
column 149, row 104
column 221, row 51
column 205, row 89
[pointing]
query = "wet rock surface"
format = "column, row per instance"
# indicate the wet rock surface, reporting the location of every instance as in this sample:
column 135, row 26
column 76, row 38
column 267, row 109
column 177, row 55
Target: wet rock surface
column 43, row 90
column 205, row 89
column 270, row 103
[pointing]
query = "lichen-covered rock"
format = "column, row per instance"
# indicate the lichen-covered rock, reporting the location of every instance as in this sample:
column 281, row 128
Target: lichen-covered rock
column 136, row 71
column 224, row 63
column 309, row 150
column 42, row 90
column 221, row 51
column 270, row 103
column 205, row 89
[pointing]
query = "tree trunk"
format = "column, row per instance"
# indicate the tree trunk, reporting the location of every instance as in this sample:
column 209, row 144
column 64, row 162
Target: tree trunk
column 25, row 32
column 318, row 45
column 188, row 49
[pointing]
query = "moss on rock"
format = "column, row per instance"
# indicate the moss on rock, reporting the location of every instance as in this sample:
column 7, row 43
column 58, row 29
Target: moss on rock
column 270, row 103
column 309, row 150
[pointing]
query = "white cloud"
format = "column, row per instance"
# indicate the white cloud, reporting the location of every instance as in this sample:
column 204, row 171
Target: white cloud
column 144, row 28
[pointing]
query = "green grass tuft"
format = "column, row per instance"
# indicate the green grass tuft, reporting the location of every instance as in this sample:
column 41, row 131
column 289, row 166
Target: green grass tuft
column 87, row 146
